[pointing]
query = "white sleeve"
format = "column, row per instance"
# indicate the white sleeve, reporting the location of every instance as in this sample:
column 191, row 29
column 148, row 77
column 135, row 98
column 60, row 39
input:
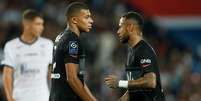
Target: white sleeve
column 8, row 57
column 50, row 52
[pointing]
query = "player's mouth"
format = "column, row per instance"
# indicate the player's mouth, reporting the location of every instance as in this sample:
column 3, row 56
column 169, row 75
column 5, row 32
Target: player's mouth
column 90, row 27
column 120, row 38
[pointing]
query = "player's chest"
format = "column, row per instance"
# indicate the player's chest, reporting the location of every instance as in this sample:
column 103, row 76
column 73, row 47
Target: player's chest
column 30, row 53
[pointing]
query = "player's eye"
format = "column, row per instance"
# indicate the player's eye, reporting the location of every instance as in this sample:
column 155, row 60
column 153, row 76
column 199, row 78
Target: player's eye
column 87, row 16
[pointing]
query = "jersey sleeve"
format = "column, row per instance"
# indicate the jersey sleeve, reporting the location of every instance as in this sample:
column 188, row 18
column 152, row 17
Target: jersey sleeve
column 8, row 57
column 147, row 60
column 50, row 52
column 71, row 51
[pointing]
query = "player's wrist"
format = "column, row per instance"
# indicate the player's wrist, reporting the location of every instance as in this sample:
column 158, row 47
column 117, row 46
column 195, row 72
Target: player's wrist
column 123, row 84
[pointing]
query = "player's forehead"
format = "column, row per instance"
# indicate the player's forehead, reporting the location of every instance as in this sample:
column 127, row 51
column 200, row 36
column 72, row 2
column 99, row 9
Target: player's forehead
column 38, row 19
column 121, row 21
column 125, row 21
column 33, row 21
column 85, row 12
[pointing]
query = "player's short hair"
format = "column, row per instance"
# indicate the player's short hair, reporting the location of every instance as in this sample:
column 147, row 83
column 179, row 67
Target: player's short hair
column 74, row 8
column 136, row 17
column 30, row 14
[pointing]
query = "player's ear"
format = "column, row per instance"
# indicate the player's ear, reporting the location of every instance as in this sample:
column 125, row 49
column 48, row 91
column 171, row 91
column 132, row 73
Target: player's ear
column 26, row 23
column 74, row 20
column 130, row 27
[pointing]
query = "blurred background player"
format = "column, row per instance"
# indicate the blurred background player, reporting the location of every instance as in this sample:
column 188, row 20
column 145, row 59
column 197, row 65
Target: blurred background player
column 143, row 78
column 26, row 62
column 67, row 80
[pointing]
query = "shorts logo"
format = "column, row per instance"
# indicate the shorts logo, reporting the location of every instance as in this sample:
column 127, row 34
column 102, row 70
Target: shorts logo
column 73, row 47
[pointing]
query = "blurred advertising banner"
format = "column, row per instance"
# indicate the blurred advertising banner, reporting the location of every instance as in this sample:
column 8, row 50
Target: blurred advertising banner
column 172, row 13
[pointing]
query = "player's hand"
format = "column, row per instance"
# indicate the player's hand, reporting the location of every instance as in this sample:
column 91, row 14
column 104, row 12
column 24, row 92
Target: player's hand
column 111, row 81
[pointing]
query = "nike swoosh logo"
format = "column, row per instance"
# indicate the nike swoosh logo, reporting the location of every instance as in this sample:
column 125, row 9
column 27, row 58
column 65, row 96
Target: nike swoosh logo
column 146, row 65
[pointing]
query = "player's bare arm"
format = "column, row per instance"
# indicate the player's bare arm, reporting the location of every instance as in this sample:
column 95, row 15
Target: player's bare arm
column 49, row 71
column 147, row 81
column 87, row 89
column 76, row 84
column 8, row 82
column 125, row 97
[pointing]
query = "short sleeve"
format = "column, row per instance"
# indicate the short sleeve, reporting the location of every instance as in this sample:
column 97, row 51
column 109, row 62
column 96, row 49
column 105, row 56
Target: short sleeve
column 8, row 57
column 147, row 60
column 71, row 52
column 50, row 52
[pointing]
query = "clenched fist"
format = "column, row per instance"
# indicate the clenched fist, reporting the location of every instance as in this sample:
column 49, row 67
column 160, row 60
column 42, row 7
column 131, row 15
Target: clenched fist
column 111, row 81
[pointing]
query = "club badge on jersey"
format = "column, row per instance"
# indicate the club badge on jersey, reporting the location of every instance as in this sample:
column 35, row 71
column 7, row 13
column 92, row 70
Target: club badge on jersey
column 145, row 63
column 73, row 47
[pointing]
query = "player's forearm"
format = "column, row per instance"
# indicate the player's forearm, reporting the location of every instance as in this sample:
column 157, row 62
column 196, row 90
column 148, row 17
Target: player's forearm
column 7, row 82
column 49, row 72
column 125, row 97
column 126, row 94
column 147, row 81
column 89, row 92
column 79, row 89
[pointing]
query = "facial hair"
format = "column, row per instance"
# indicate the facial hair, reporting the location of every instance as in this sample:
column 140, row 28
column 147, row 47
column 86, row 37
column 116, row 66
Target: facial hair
column 125, row 39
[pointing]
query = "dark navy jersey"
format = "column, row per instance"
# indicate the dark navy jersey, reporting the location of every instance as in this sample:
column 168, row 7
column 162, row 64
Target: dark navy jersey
column 141, row 60
column 67, row 49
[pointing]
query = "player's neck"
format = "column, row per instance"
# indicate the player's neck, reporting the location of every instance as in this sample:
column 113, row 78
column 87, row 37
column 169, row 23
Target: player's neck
column 133, row 40
column 28, row 38
column 73, row 29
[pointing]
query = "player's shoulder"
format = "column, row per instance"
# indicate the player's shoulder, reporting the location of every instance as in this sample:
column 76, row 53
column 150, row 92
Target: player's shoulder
column 69, row 35
column 12, row 43
column 144, row 46
column 45, row 40
column 65, row 37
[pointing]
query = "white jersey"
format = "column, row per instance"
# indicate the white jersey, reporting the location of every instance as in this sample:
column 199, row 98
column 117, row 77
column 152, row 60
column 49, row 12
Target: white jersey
column 30, row 64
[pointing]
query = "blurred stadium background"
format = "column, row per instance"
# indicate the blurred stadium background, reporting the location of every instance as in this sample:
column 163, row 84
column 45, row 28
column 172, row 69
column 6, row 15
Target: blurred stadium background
column 173, row 27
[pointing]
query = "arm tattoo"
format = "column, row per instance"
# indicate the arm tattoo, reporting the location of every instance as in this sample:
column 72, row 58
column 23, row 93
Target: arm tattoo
column 147, row 81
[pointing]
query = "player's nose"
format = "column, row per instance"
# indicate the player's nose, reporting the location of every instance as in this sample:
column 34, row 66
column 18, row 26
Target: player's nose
column 91, row 21
column 118, row 32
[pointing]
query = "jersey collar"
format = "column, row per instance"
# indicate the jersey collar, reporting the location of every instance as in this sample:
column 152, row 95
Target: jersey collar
column 27, row 42
column 68, row 30
column 140, row 42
